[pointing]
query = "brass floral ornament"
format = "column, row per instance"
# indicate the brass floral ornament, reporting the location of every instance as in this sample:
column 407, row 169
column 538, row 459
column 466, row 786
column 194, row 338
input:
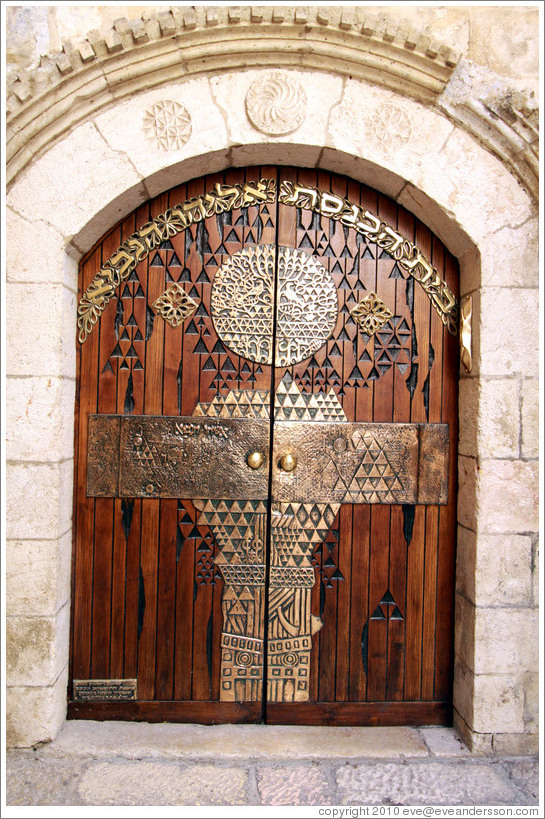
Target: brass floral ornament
column 175, row 306
column 371, row 314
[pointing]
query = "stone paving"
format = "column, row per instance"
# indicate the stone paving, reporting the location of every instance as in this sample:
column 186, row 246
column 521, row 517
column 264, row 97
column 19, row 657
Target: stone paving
column 92, row 763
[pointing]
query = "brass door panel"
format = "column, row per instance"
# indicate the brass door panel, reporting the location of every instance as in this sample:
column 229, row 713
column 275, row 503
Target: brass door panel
column 178, row 457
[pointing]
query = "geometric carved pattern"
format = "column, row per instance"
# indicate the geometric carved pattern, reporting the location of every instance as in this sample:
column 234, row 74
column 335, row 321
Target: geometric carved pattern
column 371, row 313
column 175, row 305
column 242, row 304
column 372, row 480
column 167, row 124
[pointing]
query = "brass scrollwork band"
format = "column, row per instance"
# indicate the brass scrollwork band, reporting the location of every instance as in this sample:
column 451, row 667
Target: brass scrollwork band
column 223, row 198
column 120, row 265
column 408, row 257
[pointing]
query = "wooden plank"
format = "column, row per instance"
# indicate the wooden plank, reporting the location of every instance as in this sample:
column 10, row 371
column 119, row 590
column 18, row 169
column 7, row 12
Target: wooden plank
column 205, row 713
column 359, row 602
column 86, row 402
column 447, row 515
column 361, row 713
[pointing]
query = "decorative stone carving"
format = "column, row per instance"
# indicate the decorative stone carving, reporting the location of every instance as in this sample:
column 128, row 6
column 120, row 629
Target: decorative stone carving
column 276, row 103
column 167, row 125
column 389, row 126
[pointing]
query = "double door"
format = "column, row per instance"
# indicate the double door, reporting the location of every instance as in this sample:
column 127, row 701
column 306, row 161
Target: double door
column 265, row 492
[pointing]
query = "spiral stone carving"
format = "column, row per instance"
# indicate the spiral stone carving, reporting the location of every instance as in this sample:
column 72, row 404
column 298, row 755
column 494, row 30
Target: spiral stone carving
column 276, row 103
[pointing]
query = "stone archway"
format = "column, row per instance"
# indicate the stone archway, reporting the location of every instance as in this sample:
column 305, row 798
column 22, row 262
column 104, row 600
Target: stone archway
column 410, row 150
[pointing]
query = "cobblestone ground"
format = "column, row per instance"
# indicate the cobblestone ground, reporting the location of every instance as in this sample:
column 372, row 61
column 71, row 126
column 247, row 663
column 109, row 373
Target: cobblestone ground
column 101, row 764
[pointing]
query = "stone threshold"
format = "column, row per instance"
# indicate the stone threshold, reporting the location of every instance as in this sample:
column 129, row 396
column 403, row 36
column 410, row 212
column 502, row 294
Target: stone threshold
column 229, row 743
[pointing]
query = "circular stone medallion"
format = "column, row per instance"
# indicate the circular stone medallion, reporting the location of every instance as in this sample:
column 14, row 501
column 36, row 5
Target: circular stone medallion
column 242, row 302
column 276, row 103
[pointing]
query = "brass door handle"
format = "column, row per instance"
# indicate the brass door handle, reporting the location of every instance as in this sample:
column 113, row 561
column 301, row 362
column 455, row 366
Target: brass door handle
column 255, row 459
column 288, row 462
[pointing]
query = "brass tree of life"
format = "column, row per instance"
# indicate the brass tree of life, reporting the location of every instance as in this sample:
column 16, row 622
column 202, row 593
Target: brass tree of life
column 242, row 302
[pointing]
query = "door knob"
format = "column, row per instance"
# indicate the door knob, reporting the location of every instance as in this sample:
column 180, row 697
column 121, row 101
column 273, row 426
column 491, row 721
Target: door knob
column 255, row 459
column 288, row 462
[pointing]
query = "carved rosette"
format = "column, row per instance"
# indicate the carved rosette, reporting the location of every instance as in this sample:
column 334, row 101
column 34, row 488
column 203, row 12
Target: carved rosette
column 389, row 127
column 167, row 125
column 276, row 103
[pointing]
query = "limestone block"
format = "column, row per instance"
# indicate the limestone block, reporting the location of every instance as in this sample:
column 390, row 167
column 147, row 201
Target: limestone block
column 34, row 251
column 487, row 199
column 503, row 572
column 509, row 337
column 464, row 632
column 319, row 91
column 508, row 496
column 463, row 694
column 498, row 705
column 441, row 219
column 35, row 714
column 36, row 343
column 275, row 153
column 162, row 783
column 525, row 774
column 37, row 576
column 531, row 703
column 224, row 743
column 530, row 418
column 427, row 783
column 516, row 744
column 69, row 200
column 357, row 167
column 468, row 406
column 165, row 126
column 507, row 641
column 386, row 128
column 477, row 743
column 509, row 257
column 467, row 492
column 513, row 56
column 294, row 785
column 535, row 574
column 38, row 500
column 36, row 648
column 444, row 742
column 192, row 168
column 39, row 419
column 498, row 424
column 466, row 551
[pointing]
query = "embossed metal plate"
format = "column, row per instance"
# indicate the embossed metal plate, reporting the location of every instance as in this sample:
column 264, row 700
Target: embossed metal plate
column 104, row 690
column 177, row 457
column 361, row 463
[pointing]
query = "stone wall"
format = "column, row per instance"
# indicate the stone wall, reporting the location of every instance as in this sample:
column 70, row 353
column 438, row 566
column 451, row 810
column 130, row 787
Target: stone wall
column 82, row 159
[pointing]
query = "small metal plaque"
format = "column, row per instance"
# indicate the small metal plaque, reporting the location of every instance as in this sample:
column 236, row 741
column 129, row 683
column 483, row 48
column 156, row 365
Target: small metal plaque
column 104, row 690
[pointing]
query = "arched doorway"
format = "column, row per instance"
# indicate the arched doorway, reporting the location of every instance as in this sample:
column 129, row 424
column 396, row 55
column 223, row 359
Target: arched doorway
column 266, row 458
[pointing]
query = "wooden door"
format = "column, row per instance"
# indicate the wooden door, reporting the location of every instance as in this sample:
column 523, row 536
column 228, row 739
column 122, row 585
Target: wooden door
column 230, row 603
